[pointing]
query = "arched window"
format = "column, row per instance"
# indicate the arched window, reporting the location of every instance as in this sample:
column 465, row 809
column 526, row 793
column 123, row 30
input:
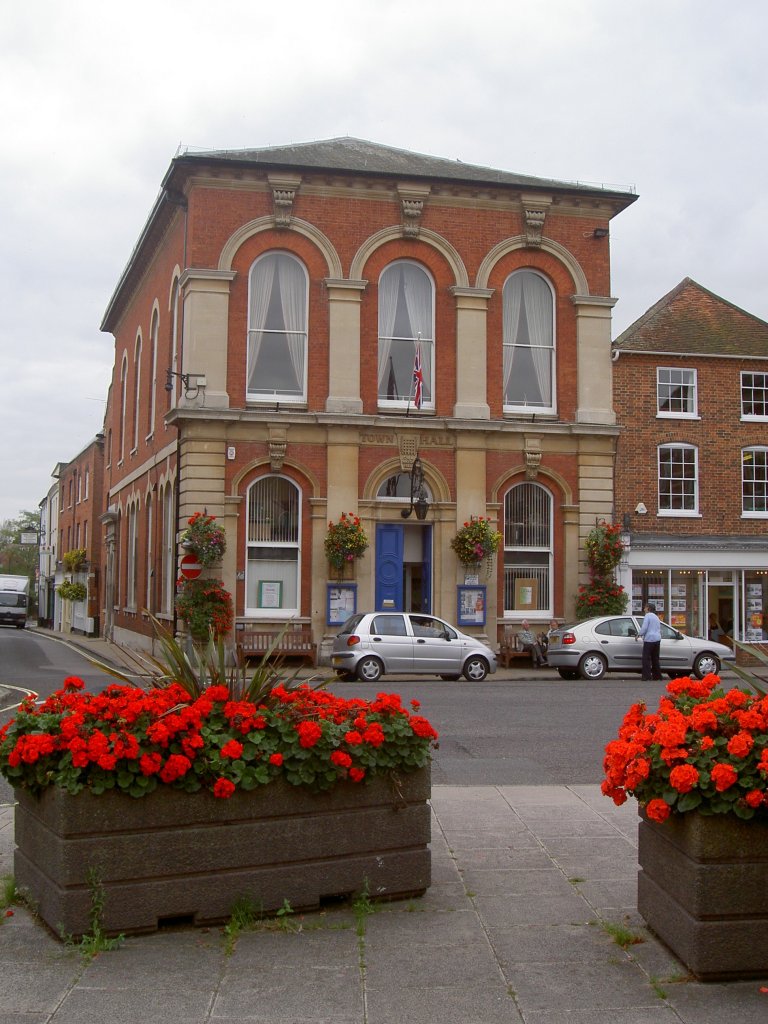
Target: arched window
column 136, row 392
column 754, row 482
column 153, row 336
column 167, row 555
column 399, row 486
column 529, row 343
column 149, row 548
column 123, row 402
column 277, row 329
column 406, row 335
column 132, row 553
column 272, row 577
column 174, row 342
column 528, row 550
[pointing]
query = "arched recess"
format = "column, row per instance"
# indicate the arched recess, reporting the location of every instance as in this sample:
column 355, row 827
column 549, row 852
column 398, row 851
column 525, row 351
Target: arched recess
column 267, row 223
column 435, row 480
column 557, row 483
column 547, row 245
column 302, row 476
column 395, row 233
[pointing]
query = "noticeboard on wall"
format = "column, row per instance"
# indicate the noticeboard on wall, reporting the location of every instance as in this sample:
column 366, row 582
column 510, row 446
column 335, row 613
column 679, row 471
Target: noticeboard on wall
column 471, row 605
column 341, row 602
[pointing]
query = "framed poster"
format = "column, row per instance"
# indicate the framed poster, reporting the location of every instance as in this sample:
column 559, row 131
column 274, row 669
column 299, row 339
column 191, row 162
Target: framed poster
column 526, row 594
column 471, row 605
column 341, row 602
column 270, row 594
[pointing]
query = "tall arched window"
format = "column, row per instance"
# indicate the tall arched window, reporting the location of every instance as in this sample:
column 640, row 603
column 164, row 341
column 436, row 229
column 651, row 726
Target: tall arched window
column 175, row 323
column 136, row 392
column 132, row 555
column 123, row 402
column 153, row 336
column 406, row 335
column 272, row 577
column 528, row 550
column 167, row 555
column 277, row 328
column 529, row 343
column 149, row 560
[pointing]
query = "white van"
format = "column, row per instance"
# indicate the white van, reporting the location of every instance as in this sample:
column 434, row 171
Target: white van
column 14, row 600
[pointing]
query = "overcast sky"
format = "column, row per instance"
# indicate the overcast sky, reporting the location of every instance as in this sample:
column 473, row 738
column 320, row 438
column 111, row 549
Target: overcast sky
column 668, row 96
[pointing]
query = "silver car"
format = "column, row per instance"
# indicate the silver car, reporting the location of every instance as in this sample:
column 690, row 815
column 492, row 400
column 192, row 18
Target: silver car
column 374, row 643
column 611, row 643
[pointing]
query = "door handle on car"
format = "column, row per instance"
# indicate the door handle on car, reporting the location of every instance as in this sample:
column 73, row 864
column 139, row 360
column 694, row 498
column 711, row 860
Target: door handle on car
column 421, row 640
column 377, row 639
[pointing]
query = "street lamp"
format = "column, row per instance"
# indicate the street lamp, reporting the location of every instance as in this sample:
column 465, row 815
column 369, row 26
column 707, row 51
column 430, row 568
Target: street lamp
column 419, row 501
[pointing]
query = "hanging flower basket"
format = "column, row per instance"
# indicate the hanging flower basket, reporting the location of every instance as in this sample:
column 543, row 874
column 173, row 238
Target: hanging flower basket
column 475, row 541
column 207, row 540
column 205, row 606
column 602, row 595
column 69, row 591
column 345, row 541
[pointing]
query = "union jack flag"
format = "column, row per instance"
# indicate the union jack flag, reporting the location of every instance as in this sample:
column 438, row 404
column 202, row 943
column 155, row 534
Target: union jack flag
column 418, row 379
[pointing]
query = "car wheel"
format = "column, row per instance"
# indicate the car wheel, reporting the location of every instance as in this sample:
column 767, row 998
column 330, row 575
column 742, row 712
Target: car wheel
column 592, row 666
column 568, row 673
column 475, row 669
column 703, row 664
column 451, row 678
column 369, row 670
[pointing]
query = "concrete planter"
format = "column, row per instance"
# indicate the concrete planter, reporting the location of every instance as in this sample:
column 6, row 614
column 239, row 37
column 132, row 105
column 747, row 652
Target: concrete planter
column 174, row 857
column 703, row 889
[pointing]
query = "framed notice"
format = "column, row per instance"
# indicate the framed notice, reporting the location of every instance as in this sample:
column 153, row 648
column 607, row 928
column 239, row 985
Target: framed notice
column 341, row 602
column 526, row 595
column 270, row 594
column 471, row 606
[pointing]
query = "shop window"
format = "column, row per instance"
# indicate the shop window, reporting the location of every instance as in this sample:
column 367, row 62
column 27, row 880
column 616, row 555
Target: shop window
column 678, row 480
column 529, row 343
column 754, row 396
column 406, row 335
column 272, row 573
column 527, row 550
column 754, row 482
column 756, row 606
column 277, row 329
column 676, row 392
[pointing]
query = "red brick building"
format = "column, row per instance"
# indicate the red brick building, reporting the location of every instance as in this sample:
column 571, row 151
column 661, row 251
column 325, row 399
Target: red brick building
column 78, row 526
column 691, row 393
column 266, row 331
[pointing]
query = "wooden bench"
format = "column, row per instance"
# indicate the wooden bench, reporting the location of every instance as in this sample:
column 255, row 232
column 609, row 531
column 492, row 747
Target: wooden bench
column 256, row 642
column 511, row 650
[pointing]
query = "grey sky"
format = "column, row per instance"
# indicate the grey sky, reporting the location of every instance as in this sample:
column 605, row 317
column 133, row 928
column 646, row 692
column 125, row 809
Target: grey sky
column 667, row 95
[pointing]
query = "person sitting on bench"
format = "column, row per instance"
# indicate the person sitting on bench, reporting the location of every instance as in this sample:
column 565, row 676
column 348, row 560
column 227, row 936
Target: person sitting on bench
column 529, row 643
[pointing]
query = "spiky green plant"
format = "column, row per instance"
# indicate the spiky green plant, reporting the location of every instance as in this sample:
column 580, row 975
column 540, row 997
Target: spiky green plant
column 759, row 683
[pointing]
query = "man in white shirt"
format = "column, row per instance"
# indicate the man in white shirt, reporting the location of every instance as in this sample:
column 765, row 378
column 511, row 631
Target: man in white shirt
column 650, row 633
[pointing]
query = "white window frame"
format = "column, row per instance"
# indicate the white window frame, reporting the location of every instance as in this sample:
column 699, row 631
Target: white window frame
column 763, row 449
column 168, row 552
column 510, row 546
column 154, row 334
column 271, row 397
column 132, row 560
column 136, row 393
column 679, row 512
column 509, row 345
column 261, row 612
column 427, row 348
column 753, row 417
column 693, row 385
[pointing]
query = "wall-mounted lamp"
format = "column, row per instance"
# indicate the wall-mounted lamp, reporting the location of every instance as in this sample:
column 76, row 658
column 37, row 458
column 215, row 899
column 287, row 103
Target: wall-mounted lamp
column 191, row 390
column 418, row 494
column 600, row 233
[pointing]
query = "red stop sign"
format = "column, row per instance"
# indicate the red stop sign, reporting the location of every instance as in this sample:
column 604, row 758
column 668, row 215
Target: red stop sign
column 190, row 567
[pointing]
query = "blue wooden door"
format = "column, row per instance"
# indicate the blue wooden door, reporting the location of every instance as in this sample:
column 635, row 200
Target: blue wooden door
column 389, row 567
column 426, row 571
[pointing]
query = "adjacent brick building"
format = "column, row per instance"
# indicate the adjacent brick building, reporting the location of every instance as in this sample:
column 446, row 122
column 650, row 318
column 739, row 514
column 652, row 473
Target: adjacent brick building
column 266, row 329
column 691, row 392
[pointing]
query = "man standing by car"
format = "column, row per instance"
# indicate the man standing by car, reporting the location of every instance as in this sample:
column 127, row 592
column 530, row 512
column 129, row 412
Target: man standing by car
column 650, row 633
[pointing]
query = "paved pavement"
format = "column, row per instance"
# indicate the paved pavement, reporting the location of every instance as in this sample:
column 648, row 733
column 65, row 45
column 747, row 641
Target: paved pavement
column 531, row 886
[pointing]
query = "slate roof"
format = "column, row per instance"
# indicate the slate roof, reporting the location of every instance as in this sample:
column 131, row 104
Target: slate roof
column 690, row 320
column 363, row 157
